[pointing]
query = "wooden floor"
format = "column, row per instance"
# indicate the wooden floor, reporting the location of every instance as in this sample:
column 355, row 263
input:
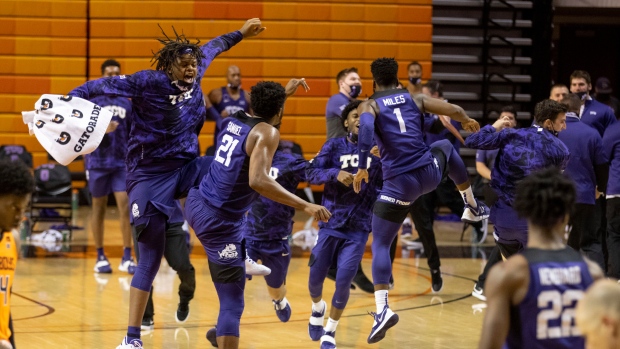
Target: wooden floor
column 58, row 302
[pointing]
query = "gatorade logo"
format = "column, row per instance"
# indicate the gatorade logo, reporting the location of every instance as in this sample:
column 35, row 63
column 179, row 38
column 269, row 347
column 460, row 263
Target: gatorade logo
column 66, row 98
column 46, row 104
column 77, row 114
column 58, row 119
column 40, row 124
column 64, row 138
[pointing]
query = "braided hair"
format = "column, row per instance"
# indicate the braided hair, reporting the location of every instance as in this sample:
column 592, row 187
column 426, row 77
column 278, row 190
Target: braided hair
column 173, row 48
column 545, row 197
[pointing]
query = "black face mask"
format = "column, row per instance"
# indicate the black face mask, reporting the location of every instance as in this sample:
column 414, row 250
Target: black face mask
column 553, row 131
column 355, row 91
column 415, row 81
column 582, row 95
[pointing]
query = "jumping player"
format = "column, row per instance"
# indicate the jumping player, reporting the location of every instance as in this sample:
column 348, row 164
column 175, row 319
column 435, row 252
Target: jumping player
column 532, row 296
column 239, row 173
column 269, row 225
column 341, row 241
column 163, row 145
column 410, row 169
column 16, row 185
column 106, row 174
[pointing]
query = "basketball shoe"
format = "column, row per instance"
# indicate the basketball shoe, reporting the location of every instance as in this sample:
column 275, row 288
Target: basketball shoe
column 127, row 266
column 328, row 340
column 473, row 215
column 103, row 265
column 383, row 322
column 478, row 292
column 315, row 325
column 436, row 281
column 253, row 268
column 212, row 337
column 283, row 312
column 131, row 344
column 182, row 312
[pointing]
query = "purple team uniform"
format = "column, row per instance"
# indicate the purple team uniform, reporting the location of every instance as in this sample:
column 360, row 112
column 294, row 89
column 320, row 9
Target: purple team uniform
column 105, row 167
column 558, row 279
column 216, row 211
column 521, row 152
column 269, row 223
column 229, row 105
column 342, row 240
column 598, row 115
column 163, row 147
column 335, row 106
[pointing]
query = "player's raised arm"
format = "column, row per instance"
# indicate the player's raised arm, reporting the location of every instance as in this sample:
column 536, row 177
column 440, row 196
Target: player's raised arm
column 262, row 144
column 453, row 111
column 129, row 86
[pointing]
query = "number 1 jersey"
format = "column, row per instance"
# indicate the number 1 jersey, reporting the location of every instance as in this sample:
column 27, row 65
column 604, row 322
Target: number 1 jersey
column 546, row 316
column 226, row 187
column 399, row 133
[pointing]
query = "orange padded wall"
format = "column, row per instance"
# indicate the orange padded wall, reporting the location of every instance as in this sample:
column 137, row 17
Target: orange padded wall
column 311, row 39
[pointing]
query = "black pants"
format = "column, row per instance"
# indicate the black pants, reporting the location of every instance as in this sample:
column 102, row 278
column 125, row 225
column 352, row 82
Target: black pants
column 176, row 253
column 584, row 235
column 423, row 216
column 613, row 237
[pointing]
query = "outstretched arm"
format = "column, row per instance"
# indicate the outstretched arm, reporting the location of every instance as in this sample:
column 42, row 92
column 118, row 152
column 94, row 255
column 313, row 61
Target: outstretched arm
column 321, row 170
column 453, row 111
column 368, row 113
column 129, row 86
column 261, row 145
column 490, row 136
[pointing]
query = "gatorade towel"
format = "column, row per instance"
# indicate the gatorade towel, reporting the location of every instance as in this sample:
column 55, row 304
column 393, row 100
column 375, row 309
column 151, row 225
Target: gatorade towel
column 67, row 126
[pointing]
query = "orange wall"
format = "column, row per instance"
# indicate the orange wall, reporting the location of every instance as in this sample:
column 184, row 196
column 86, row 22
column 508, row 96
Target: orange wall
column 43, row 49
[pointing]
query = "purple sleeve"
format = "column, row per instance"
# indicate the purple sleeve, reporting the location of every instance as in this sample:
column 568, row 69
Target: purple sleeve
column 298, row 168
column 129, row 86
column 364, row 141
column 481, row 156
column 216, row 46
column 487, row 138
column 320, row 169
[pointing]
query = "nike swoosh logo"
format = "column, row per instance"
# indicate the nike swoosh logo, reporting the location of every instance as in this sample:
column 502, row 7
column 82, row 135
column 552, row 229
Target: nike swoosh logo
column 284, row 254
column 381, row 316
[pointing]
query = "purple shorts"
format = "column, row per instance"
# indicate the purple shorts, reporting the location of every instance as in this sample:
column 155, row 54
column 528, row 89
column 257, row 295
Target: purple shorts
column 105, row 181
column 275, row 254
column 405, row 188
column 335, row 252
column 221, row 238
column 509, row 227
column 154, row 188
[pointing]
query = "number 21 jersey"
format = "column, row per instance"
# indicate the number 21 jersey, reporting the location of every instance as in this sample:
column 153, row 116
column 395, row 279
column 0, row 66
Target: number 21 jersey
column 226, row 188
column 546, row 316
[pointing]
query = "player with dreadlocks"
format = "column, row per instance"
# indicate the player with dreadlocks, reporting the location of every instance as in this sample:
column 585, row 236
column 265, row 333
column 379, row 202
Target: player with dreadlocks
column 163, row 148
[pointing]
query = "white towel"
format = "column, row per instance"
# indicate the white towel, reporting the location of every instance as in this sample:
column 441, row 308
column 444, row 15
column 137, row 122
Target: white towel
column 67, row 126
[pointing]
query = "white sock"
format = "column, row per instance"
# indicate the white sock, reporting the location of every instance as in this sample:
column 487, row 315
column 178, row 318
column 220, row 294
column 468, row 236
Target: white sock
column 283, row 303
column 468, row 197
column 407, row 221
column 381, row 298
column 331, row 325
column 318, row 307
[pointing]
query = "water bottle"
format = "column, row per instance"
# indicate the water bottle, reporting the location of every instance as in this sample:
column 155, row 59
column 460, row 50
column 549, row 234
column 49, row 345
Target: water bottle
column 75, row 200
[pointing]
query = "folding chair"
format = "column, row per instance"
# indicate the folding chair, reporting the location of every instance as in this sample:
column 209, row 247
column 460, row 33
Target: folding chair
column 52, row 199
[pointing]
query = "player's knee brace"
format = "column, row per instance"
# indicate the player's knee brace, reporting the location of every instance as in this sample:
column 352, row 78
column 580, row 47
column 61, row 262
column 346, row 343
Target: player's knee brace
column 344, row 277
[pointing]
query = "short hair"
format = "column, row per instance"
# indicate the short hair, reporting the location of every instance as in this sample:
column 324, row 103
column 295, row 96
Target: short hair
column 15, row 178
column 414, row 63
column 344, row 72
column 175, row 47
column 347, row 109
column 548, row 109
column 558, row 85
column 601, row 299
column 581, row 74
column 384, row 71
column 545, row 197
column 110, row 63
column 267, row 98
column 434, row 86
column 509, row 109
column 572, row 102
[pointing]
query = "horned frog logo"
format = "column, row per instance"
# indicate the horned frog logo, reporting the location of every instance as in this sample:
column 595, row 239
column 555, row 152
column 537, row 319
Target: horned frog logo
column 77, row 114
column 58, row 119
column 229, row 252
column 64, row 138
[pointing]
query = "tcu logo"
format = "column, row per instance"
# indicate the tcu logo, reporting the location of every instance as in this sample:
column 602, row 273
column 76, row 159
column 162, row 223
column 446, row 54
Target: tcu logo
column 180, row 98
column 353, row 159
column 117, row 111
column 274, row 172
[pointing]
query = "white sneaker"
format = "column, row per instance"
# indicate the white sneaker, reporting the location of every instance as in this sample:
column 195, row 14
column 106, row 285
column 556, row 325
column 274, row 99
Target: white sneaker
column 478, row 292
column 127, row 266
column 132, row 344
column 253, row 268
column 103, row 265
column 383, row 322
column 473, row 215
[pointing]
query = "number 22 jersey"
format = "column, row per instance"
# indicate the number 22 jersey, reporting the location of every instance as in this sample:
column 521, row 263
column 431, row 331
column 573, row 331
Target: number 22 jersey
column 546, row 316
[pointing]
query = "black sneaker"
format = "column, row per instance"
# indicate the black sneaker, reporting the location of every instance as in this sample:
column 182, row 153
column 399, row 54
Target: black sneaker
column 478, row 292
column 361, row 281
column 148, row 324
column 182, row 312
column 212, row 337
column 436, row 281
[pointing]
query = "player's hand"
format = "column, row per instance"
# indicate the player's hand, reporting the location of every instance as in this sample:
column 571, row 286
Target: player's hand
column 4, row 344
column 318, row 212
column 292, row 86
column 112, row 126
column 252, row 27
column 345, row 178
column 502, row 123
column 361, row 175
column 375, row 151
column 471, row 125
